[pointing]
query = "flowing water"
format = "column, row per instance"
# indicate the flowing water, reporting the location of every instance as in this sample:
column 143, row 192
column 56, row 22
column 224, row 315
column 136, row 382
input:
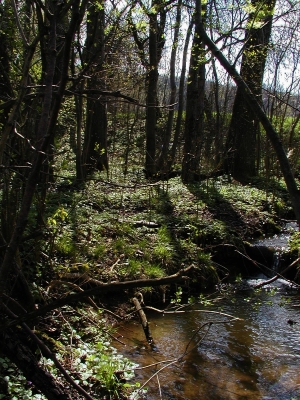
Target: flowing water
column 255, row 357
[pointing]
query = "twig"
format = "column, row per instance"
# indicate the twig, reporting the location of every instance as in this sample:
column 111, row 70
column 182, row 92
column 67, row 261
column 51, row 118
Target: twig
column 157, row 372
column 190, row 311
column 159, row 388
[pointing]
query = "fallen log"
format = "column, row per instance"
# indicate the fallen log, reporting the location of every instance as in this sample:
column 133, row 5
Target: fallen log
column 101, row 289
column 147, row 224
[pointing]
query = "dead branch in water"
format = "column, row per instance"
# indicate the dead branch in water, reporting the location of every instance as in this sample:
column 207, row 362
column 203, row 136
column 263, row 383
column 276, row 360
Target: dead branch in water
column 277, row 276
column 143, row 320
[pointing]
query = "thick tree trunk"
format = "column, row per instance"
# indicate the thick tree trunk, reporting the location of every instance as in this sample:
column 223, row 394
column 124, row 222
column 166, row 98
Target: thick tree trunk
column 94, row 153
column 253, row 103
column 244, row 127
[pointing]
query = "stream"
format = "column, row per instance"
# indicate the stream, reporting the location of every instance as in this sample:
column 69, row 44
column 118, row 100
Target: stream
column 255, row 357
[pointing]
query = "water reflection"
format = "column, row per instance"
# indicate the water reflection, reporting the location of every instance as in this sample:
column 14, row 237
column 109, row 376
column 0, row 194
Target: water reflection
column 254, row 358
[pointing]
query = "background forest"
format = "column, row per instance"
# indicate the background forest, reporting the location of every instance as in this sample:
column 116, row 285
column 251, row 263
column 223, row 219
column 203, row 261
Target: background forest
column 101, row 104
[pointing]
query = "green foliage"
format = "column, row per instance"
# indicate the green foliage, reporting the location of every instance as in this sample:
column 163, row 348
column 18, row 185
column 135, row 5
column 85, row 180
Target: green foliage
column 294, row 243
column 259, row 11
column 178, row 296
column 204, row 300
column 163, row 250
column 66, row 247
column 16, row 385
column 103, row 368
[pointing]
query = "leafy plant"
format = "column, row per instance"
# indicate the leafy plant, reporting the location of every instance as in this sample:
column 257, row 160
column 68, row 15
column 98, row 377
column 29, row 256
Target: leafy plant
column 178, row 296
column 15, row 384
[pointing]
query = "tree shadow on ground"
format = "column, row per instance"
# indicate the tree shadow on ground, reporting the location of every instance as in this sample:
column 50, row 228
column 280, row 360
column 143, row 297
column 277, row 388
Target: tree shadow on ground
column 239, row 226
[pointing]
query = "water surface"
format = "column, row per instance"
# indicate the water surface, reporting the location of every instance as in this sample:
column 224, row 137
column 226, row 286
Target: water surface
column 257, row 357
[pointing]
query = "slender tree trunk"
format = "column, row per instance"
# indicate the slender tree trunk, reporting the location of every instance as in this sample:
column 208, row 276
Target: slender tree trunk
column 255, row 106
column 181, row 99
column 151, row 100
column 193, row 134
column 78, row 143
column 5, row 84
column 163, row 162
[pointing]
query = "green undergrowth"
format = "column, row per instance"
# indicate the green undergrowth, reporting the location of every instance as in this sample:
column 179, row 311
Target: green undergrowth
column 124, row 228
column 80, row 340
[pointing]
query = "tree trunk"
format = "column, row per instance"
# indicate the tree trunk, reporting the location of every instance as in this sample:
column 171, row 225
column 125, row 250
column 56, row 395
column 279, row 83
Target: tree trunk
column 193, row 134
column 163, row 162
column 244, row 127
column 178, row 125
column 151, row 100
column 95, row 155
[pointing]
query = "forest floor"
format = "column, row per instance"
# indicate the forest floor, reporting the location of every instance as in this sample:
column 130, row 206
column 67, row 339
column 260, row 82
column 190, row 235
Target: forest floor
column 118, row 230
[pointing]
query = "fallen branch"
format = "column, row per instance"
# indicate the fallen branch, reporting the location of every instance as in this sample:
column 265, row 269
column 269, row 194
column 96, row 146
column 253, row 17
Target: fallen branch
column 192, row 311
column 56, row 283
column 101, row 289
column 278, row 276
column 147, row 224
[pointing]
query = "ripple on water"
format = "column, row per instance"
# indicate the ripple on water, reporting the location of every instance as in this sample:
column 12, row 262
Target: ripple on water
column 254, row 358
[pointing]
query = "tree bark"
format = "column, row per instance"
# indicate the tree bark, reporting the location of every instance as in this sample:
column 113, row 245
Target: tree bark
column 181, row 96
column 193, row 133
column 244, row 127
column 94, row 153
column 143, row 320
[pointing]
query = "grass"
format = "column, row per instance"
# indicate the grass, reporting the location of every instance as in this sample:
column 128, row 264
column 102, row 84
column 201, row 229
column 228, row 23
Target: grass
column 95, row 225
